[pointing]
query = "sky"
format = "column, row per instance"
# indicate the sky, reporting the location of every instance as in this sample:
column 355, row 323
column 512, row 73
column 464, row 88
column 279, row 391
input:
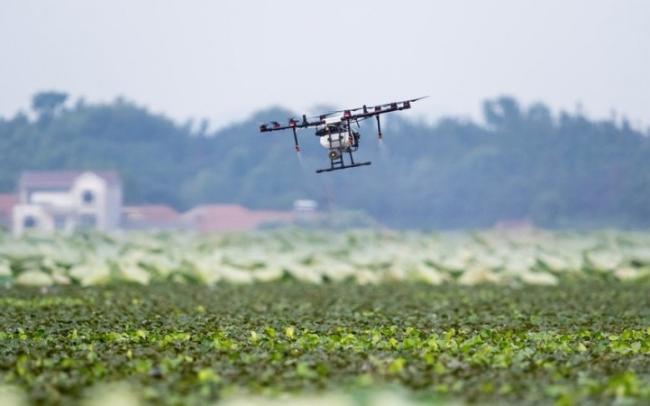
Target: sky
column 224, row 60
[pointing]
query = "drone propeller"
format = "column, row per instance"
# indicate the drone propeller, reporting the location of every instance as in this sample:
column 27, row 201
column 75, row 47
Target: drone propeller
column 377, row 108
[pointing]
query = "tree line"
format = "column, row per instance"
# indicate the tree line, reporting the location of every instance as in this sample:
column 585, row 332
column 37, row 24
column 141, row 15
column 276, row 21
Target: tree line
column 524, row 163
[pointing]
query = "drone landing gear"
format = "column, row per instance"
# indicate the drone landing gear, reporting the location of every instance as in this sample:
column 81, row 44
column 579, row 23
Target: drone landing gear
column 336, row 168
column 337, row 162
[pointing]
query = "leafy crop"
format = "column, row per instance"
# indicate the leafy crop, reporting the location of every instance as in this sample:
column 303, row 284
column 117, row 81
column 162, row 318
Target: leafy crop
column 581, row 341
column 365, row 257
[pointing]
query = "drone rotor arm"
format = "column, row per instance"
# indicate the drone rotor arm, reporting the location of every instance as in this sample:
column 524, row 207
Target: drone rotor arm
column 275, row 126
column 349, row 115
column 370, row 111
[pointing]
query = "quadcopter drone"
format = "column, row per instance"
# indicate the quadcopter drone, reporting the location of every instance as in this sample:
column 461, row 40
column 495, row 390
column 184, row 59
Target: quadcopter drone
column 335, row 131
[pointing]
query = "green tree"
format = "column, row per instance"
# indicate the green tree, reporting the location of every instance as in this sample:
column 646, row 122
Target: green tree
column 49, row 102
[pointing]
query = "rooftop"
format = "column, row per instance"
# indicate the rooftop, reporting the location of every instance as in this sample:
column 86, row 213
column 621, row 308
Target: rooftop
column 232, row 217
column 7, row 202
column 61, row 179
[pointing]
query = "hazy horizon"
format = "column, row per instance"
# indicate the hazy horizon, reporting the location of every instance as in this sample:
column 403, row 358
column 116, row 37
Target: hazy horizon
column 226, row 60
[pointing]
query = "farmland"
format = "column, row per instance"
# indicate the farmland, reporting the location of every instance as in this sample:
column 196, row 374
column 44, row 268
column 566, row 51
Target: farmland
column 187, row 319
column 363, row 256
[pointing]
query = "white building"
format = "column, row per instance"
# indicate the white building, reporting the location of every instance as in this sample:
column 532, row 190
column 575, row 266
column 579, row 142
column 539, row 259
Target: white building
column 67, row 200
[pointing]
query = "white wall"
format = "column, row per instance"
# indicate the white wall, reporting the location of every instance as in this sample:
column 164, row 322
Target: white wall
column 89, row 182
column 44, row 220
column 114, row 207
column 58, row 199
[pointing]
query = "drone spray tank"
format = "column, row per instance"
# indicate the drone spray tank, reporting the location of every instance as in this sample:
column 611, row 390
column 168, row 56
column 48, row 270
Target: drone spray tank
column 336, row 140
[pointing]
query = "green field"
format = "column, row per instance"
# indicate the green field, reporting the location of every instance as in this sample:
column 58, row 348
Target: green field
column 180, row 344
column 172, row 331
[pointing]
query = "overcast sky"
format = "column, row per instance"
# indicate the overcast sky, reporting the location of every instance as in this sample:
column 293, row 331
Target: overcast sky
column 226, row 59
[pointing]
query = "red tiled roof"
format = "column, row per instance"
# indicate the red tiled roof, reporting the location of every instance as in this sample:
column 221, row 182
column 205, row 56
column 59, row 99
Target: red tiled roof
column 156, row 213
column 7, row 202
column 61, row 179
column 230, row 217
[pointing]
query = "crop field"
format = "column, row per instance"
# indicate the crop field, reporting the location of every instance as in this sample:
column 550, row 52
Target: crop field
column 364, row 257
column 353, row 318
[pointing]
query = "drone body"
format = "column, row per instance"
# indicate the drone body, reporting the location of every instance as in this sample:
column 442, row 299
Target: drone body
column 335, row 131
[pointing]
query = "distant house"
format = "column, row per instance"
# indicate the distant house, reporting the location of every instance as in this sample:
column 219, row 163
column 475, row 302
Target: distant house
column 156, row 216
column 230, row 217
column 7, row 203
column 67, row 200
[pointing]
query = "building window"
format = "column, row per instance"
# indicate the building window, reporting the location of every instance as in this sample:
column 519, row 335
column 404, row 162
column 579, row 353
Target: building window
column 88, row 197
column 29, row 222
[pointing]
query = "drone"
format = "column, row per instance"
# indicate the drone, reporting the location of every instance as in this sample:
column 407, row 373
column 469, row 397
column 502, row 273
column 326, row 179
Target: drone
column 334, row 130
